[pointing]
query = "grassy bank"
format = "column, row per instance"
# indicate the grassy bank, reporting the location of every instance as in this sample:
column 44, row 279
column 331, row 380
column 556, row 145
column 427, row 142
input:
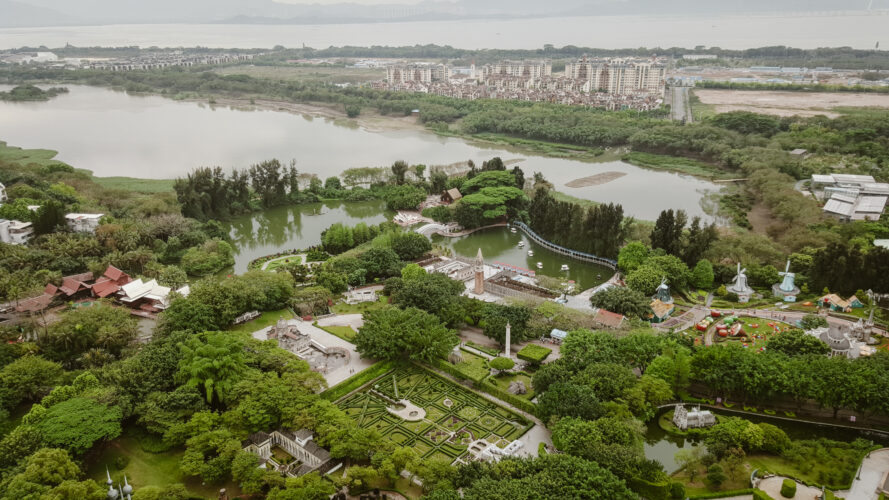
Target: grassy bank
column 676, row 164
column 134, row 184
column 552, row 149
column 42, row 157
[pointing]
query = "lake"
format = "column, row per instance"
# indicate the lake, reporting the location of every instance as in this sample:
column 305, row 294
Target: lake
column 287, row 228
column 117, row 134
column 860, row 30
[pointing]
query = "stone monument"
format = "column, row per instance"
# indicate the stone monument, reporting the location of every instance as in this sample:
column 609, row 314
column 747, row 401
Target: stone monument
column 740, row 287
column 787, row 290
column 506, row 352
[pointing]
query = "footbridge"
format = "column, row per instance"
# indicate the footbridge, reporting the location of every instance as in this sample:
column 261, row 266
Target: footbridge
column 574, row 254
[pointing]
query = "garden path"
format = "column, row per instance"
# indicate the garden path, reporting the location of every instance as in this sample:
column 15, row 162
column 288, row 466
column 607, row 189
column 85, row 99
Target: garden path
column 356, row 321
column 772, row 486
column 873, row 468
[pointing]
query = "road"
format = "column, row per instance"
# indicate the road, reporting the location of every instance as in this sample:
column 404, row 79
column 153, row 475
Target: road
column 681, row 108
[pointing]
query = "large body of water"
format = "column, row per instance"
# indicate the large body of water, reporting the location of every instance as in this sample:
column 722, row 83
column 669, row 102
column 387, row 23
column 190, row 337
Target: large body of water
column 860, row 30
column 117, row 134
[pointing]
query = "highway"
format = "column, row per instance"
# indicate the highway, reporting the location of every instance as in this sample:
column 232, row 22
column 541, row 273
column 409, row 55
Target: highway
column 681, row 108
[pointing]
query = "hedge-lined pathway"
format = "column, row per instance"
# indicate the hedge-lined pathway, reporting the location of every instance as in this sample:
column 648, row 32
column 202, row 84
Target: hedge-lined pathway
column 873, row 468
column 535, row 435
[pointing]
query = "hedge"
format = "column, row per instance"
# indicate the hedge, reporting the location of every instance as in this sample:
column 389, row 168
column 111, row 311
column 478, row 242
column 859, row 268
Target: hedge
column 453, row 370
column 486, row 350
column 761, row 495
column 534, row 353
column 359, row 379
column 722, row 494
column 788, row 488
column 649, row 490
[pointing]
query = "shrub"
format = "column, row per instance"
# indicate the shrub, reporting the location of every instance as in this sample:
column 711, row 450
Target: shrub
column 788, row 488
column 761, row 495
column 677, row 490
column 121, row 462
column 501, row 363
column 534, row 353
column 541, row 449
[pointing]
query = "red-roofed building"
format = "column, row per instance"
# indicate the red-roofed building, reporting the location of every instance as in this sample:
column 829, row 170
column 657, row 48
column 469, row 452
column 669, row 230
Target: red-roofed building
column 105, row 288
column 34, row 304
column 609, row 319
column 75, row 283
column 116, row 275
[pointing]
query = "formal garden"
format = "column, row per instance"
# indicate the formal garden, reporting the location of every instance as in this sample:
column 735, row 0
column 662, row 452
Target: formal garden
column 455, row 417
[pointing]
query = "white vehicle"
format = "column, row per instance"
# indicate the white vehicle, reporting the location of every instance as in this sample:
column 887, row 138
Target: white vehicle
column 540, row 265
column 564, row 267
column 530, row 253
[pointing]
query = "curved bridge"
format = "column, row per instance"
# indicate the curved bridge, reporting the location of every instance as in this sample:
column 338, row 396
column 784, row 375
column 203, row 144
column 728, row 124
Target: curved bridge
column 431, row 228
column 574, row 254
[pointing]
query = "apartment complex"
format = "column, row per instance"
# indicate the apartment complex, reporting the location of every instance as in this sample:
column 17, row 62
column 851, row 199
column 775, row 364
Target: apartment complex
column 398, row 74
column 618, row 76
column 526, row 69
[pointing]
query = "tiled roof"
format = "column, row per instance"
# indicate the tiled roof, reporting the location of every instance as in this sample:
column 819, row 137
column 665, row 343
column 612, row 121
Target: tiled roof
column 103, row 289
column 34, row 304
column 609, row 318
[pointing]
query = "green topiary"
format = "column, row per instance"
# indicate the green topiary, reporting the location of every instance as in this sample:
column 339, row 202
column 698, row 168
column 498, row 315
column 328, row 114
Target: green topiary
column 788, row 488
column 761, row 495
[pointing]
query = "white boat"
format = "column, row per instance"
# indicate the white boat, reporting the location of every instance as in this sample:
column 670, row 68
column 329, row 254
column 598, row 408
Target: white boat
column 540, row 265
column 521, row 244
column 564, row 267
column 512, row 230
column 530, row 253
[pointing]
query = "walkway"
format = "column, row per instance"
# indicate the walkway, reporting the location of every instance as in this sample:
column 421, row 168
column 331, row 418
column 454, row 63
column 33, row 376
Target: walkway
column 873, row 468
column 356, row 321
column 772, row 486
column 302, row 259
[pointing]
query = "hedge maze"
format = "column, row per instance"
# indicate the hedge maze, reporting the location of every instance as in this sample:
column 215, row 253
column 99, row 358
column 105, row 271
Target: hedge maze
column 455, row 417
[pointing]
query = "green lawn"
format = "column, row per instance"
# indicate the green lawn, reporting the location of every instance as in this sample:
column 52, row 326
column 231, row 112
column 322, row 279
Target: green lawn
column 267, row 318
column 473, row 365
column 344, row 332
column 676, row 164
column 282, row 261
column 133, row 184
column 363, row 307
column 146, row 468
column 504, row 381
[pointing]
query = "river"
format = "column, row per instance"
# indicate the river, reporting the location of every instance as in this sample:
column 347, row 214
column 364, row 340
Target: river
column 117, row 134
column 860, row 30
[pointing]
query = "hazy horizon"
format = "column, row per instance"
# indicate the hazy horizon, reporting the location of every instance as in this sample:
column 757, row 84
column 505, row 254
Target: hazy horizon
column 42, row 13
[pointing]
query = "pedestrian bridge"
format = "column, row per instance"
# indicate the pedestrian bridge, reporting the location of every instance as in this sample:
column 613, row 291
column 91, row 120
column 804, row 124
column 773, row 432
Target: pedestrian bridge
column 431, row 228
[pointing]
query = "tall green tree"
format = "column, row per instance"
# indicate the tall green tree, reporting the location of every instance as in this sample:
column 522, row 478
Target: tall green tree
column 213, row 362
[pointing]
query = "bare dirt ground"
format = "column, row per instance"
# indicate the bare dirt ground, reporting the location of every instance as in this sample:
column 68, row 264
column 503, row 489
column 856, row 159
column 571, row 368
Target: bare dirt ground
column 788, row 103
column 595, row 180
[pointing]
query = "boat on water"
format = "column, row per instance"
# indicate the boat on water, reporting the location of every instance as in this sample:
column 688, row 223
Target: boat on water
column 540, row 265
column 512, row 230
column 530, row 253
column 564, row 267
column 521, row 244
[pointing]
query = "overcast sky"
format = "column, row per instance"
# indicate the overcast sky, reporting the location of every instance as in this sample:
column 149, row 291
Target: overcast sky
column 362, row 2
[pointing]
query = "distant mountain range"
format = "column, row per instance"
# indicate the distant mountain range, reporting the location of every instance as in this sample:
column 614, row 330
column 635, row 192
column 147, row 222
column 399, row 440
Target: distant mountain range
column 24, row 13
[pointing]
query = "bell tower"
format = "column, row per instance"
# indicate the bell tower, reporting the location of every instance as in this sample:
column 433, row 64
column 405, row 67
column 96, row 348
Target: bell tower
column 479, row 274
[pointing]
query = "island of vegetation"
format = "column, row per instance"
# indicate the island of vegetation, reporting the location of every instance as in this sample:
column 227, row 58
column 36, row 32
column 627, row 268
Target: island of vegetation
column 31, row 93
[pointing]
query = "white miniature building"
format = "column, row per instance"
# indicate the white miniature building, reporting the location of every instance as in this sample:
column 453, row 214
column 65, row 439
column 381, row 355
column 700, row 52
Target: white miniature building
column 15, row 232
column 308, row 455
column 150, row 292
column 83, row 223
column 483, row 450
column 3, row 196
column 694, row 419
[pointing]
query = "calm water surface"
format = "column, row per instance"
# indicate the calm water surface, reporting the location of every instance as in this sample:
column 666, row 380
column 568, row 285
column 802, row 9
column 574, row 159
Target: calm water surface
column 500, row 245
column 116, row 134
column 859, row 30
column 287, row 228
column 661, row 446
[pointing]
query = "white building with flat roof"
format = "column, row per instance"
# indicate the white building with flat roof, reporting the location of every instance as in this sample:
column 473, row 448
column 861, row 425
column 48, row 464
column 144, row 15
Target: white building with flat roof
column 3, row 196
column 15, row 232
column 83, row 223
column 851, row 197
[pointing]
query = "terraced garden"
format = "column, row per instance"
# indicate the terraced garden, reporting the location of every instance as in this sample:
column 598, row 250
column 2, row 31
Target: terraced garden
column 455, row 417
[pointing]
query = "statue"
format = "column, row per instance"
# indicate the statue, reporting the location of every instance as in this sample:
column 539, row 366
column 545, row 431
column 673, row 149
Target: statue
column 517, row 387
column 786, row 289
